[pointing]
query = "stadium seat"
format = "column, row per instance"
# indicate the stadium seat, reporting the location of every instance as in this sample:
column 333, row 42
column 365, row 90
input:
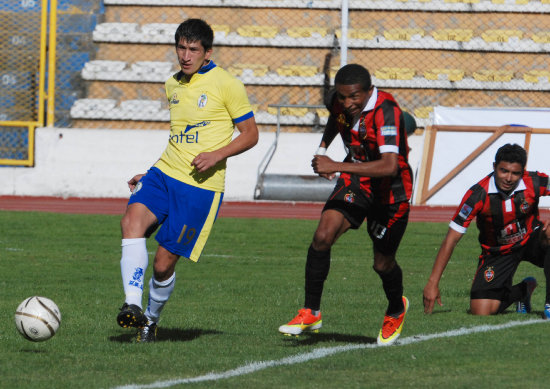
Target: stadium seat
column 114, row 32
column 462, row 1
column 288, row 111
column 403, row 34
column 96, row 66
column 489, row 75
column 358, row 33
column 159, row 29
column 501, row 35
column 535, row 76
column 253, row 31
column 322, row 112
column 220, row 30
column 518, row 2
column 423, row 112
column 239, row 69
column 92, row 108
column 148, row 106
column 297, row 70
column 541, row 37
column 445, row 74
column 306, row 32
column 146, row 68
column 453, row 34
column 391, row 73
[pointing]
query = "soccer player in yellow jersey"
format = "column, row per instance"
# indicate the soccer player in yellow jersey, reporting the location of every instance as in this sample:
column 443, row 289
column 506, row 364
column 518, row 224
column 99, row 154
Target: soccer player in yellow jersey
column 183, row 190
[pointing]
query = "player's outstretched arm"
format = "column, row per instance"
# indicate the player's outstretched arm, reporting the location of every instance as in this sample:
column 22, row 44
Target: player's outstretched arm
column 431, row 290
column 247, row 138
column 387, row 166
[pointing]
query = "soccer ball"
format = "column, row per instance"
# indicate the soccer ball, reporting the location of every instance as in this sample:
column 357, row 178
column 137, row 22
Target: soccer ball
column 37, row 318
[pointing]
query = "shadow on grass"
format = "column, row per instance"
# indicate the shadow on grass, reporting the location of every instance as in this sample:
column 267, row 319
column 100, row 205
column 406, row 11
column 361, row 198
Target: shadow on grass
column 167, row 335
column 309, row 338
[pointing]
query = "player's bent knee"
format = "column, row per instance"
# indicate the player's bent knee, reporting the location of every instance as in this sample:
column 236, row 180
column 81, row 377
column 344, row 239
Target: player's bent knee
column 484, row 307
column 136, row 221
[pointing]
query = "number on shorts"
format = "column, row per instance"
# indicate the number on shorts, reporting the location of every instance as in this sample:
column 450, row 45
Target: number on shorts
column 188, row 236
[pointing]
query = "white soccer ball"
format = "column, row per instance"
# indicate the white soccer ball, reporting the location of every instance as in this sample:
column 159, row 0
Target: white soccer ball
column 37, row 318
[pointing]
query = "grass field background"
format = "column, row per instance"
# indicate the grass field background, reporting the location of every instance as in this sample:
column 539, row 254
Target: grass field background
column 225, row 311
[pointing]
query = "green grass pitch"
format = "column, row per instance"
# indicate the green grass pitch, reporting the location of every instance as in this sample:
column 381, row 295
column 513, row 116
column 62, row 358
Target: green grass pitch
column 226, row 309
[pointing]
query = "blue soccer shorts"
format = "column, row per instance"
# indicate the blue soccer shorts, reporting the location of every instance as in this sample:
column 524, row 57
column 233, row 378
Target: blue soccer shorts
column 186, row 213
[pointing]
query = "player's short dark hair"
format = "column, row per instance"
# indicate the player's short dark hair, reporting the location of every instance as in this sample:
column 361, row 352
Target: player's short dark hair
column 512, row 153
column 195, row 30
column 353, row 74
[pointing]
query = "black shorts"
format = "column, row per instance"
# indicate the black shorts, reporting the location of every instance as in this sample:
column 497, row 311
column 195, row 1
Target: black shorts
column 495, row 273
column 386, row 223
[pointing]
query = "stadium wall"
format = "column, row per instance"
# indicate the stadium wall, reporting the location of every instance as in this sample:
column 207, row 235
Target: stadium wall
column 99, row 162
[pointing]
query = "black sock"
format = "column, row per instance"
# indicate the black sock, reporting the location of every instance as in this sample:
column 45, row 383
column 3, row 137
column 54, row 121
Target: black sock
column 317, row 268
column 392, row 283
column 517, row 293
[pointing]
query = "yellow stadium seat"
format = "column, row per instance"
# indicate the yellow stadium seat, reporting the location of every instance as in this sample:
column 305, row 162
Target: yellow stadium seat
column 322, row 112
column 297, row 70
column 518, row 2
column 493, row 75
column 453, row 34
column 288, row 111
column 450, row 74
column 258, row 70
column 306, row 32
column 501, row 35
column 541, row 37
column 402, row 34
column 423, row 112
column 535, row 75
column 358, row 33
column 389, row 73
column 252, row 31
column 220, row 28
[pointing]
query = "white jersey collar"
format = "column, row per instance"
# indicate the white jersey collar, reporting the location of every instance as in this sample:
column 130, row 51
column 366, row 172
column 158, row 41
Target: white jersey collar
column 494, row 189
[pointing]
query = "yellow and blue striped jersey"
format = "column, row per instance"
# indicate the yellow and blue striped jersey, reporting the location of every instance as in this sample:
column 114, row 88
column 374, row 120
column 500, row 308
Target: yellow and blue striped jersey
column 203, row 113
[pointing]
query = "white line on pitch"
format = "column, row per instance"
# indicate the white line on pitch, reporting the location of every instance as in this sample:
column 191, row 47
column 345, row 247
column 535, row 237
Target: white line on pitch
column 325, row 352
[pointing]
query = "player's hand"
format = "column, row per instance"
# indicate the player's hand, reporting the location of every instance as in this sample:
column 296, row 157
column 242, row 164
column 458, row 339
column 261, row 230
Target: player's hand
column 205, row 161
column 431, row 295
column 134, row 180
column 328, row 176
column 323, row 165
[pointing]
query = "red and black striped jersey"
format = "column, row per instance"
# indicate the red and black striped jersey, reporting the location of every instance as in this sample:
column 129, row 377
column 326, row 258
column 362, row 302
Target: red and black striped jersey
column 380, row 129
column 505, row 222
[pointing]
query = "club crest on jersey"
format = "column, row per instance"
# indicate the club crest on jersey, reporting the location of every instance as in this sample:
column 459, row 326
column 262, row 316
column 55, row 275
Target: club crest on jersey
column 203, row 99
column 525, row 206
column 341, row 119
column 349, row 197
column 489, row 274
column 137, row 188
column 174, row 99
column 465, row 211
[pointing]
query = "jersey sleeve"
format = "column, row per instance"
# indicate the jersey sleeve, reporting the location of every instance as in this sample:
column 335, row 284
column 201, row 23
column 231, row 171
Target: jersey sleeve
column 236, row 100
column 544, row 184
column 387, row 120
column 469, row 207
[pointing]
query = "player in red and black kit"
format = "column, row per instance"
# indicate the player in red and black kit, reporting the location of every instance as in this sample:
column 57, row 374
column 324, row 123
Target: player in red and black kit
column 506, row 206
column 375, row 183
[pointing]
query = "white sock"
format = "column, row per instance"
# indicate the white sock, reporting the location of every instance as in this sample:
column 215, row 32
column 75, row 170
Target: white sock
column 159, row 293
column 133, row 265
